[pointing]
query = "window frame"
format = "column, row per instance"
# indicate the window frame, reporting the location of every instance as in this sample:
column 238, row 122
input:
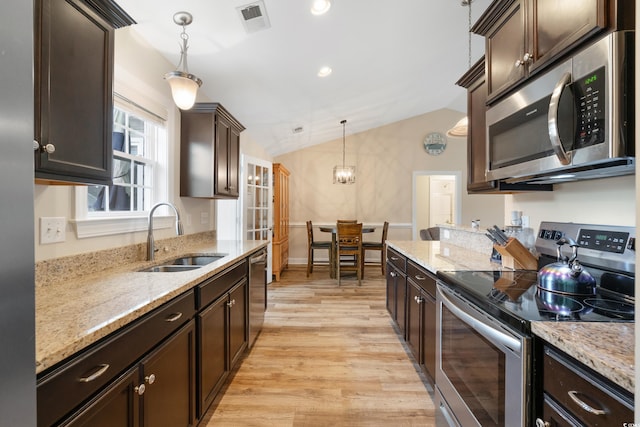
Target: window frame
column 104, row 223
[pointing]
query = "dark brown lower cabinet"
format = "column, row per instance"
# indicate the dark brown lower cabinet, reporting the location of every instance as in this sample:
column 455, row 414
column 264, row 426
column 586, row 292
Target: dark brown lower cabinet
column 223, row 336
column 396, row 295
column 159, row 391
column 118, row 405
column 169, row 374
column 421, row 320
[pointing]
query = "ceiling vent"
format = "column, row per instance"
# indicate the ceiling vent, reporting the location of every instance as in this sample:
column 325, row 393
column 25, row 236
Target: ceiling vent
column 254, row 17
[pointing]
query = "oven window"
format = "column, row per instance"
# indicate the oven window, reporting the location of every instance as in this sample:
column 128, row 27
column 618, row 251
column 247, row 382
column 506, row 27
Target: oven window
column 476, row 369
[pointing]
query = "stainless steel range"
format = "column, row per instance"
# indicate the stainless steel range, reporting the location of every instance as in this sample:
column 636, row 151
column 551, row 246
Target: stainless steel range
column 483, row 367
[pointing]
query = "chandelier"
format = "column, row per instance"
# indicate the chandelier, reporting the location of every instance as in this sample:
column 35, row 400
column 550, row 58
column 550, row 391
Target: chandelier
column 344, row 174
column 184, row 85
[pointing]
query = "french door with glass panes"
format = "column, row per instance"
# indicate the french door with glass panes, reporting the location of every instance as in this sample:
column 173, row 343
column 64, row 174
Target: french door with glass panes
column 258, row 209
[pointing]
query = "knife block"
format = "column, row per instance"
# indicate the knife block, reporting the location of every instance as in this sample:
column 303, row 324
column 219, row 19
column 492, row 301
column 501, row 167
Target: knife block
column 515, row 256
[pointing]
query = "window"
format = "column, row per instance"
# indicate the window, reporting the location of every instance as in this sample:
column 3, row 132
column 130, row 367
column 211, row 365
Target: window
column 139, row 175
column 134, row 147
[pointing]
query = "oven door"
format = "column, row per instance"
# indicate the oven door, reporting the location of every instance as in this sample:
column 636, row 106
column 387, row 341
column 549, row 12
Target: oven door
column 482, row 375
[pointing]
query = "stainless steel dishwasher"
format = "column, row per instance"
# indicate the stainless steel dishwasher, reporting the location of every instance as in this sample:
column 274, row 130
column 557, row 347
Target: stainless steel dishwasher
column 257, row 293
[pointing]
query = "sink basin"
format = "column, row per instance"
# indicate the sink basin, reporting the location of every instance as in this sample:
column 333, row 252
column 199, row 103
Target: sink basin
column 170, row 268
column 197, row 260
column 184, row 263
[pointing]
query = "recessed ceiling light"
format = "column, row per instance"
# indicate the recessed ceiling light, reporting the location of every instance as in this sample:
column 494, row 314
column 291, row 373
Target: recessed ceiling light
column 320, row 7
column 324, row 71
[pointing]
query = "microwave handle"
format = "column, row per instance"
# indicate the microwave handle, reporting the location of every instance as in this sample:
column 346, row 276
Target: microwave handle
column 552, row 121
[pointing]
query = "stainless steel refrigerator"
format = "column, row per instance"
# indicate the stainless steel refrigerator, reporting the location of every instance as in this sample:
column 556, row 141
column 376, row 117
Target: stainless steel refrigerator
column 17, row 301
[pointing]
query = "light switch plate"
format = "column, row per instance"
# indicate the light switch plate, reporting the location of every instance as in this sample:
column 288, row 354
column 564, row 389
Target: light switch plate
column 52, row 230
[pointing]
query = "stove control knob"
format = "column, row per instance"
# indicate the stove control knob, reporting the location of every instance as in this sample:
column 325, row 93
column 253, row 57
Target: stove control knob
column 540, row 423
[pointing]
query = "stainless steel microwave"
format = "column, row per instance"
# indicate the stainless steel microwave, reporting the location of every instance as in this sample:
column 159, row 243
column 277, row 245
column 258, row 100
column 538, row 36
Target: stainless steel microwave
column 575, row 121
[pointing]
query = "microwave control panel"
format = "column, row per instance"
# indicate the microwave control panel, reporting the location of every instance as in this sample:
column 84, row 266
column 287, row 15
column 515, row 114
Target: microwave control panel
column 590, row 104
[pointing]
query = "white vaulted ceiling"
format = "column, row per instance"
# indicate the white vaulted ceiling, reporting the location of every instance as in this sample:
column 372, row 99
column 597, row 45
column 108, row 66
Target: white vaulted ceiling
column 391, row 60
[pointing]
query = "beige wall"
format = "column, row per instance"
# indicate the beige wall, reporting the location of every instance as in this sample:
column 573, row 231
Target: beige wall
column 385, row 158
column 601, row 201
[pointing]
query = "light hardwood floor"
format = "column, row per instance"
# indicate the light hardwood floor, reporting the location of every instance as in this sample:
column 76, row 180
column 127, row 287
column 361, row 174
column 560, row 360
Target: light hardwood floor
column 327, row 356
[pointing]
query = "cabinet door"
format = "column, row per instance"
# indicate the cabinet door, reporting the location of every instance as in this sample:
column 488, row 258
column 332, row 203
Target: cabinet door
column 233, row 166
column 505, row 45
column 73, row 91
column 401, row 302
column 223, row 131
column 558, row 25
column 117, row 406
column 213, row 366
column 429, row 334
column 477, row 136
column 391, row 291
column 238, row 325
column 169, row 375
column 414, row 320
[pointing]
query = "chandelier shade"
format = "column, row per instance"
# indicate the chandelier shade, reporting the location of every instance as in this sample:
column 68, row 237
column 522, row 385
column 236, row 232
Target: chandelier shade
column 184, row 85
column 344, row 174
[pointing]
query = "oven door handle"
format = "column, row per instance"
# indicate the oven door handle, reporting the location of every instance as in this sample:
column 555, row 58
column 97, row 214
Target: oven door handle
column 497, row 336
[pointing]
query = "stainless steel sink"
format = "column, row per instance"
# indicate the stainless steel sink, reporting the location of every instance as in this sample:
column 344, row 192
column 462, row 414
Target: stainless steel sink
column 198, row 260
column 170, row 268
column 185, row 263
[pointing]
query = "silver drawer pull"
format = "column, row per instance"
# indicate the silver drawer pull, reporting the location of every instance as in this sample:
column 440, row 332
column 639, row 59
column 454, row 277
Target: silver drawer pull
column 574, row 396
column 173, row 317
column 394, row 258
column 419, row 277
column 100, row 369
column 140, row 389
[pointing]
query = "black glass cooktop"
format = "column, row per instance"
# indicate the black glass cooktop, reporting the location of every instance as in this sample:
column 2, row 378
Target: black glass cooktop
column 514, row 297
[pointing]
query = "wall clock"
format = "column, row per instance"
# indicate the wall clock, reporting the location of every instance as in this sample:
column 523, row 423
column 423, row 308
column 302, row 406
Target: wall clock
column 435, row 143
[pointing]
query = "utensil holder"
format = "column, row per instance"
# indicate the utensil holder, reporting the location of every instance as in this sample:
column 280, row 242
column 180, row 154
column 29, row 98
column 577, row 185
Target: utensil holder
column 516, row 257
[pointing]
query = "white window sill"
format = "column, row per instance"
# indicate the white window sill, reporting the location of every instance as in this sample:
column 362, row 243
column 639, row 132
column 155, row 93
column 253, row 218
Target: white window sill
column 96, row 227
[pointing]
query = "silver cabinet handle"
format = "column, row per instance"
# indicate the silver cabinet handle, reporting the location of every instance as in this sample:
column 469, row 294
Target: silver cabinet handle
column 574, row 396
column 49, row 148
column 150, row 378
column 394, row 258
column 173, row 317
column 418, row 277
column 552, row 120
column 140, row 389
column 100, row 369
column 231, row 303
column 393, row 274
column 541, row 423
column 526, row 58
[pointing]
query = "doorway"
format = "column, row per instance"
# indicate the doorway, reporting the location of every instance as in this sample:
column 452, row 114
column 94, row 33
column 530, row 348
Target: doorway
column 437, row 199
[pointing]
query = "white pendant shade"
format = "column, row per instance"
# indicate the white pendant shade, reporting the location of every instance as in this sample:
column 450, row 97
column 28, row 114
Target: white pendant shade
column 184, row 88
column 460, row 129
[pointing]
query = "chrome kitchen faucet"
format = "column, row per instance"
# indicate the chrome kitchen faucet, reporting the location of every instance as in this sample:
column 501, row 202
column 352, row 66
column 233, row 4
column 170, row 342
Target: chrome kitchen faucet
column 151, row 250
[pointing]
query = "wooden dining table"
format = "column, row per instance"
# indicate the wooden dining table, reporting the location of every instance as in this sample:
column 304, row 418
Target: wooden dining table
column 333, row 229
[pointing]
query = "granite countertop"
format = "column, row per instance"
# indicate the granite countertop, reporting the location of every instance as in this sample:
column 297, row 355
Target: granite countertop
column 72, row 314
column 606, row 347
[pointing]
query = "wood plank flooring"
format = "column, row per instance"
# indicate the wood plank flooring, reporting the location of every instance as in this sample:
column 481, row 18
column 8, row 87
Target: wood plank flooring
column 327, row 356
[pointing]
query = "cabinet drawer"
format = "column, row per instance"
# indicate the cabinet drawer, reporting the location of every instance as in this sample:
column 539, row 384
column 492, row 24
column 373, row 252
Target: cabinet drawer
column 564, row 379
column 63, row 389
column 400, row 261
column 213, row 288
column 421, row 277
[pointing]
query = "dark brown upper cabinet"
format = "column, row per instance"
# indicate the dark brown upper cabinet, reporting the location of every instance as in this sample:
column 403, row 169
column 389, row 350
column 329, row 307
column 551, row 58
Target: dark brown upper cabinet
column 74, row 46
column 523, row 37
column 209, row 152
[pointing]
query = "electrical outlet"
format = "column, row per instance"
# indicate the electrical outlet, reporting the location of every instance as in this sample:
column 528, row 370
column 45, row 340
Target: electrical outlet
column 445, row 234
column 188, row 220
column 52, row 230
column 204, row 218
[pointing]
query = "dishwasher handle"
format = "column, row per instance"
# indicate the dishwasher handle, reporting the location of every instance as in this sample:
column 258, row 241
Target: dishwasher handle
column 258, row 259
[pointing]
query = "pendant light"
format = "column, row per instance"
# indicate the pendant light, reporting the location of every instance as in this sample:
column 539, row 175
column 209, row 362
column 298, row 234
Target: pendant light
column 344, row 174
column 184, row 85
column 461, row 128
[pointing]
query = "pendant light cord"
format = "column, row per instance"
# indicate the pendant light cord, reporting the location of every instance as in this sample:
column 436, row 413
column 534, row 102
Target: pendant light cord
column 469, row 30
column 344, row 122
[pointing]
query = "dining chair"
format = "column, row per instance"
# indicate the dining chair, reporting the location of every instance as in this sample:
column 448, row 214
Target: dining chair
column 375, row 246
column 313, row 245
column 349, row 244
column 348, row 221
